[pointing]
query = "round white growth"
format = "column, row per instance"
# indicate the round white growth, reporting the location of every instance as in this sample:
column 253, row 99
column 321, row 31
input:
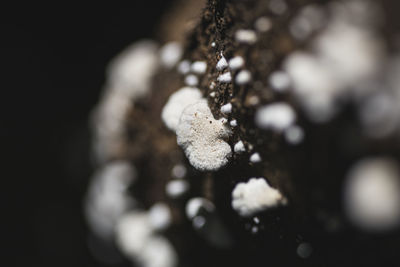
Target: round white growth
column 263, row 24
column 170, row 54
column 233, row 123
column 276, row 116
column 199, row 67
column 225, row 77
column 243, row 77
column 227, row 108
column 245, row 36
column 239, row 147
column 184, row 66
column 191, row 80
column 130, row 72
column 160, row 216
column 279, row 81
column 294, row 134
column 203, row 138
column 194, row 205
column 255, row 158
column 372, row 194
column 178, row 171
column 177, row 102
column 255, row 196
column 176, row 188
column 236, row 63
column 222, row 64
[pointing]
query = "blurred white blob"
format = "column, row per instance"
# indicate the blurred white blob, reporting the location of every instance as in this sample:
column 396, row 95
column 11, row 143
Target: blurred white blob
column 276, row 116
column 176, row 188
column 304, row 250
column 372, row 194
column 160, row 216
column 136, row 238
column 107, row 197
column 170, row 54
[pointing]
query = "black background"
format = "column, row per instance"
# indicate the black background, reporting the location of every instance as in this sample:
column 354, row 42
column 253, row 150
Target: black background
column 53, row 58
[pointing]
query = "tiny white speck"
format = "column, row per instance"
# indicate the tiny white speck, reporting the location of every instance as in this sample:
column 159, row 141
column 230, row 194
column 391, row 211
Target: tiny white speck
column 227, row 108
column 263, row 24
column 294, row 135
column 194, row 205
column 279, row 81
column 239, row 147
column 254, row 229
column 233, row 123
column 225, row 77
column 212, row 94
column 212, row 85
column 184, row 66
column 236, row 63
column 191, row 80
column 213, row 44
column 199, row 67
column 176, row 188
column 255, row 158
column 243, row 77
column 246, row 36
column 178, row 171
column 222, row 64
column 256, row 220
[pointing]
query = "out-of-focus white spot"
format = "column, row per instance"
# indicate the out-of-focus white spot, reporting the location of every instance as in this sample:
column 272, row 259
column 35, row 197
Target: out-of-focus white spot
column 276, row 116
column 255, row 158
column 176, row 188
column 236, row 63
column 279, row 81
column 160, row 216
column 191, row 80
column 243, row 77
column 245, row 36
column 263, row 24
column 170, row 54
column 304, row 250
column 199, row 67
column 178, row 171
column 294, row 135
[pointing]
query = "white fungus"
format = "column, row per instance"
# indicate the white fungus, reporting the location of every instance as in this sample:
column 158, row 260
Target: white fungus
column 239, row 147
column 277, row 116
column 170, row 54
column 233, row 123
column 213, row 44
column 203, row 138
column 245, row 36
column 194, row 205
column 130, row 72
column 279, row 81
column 137, row 239
column 263, row 24
column 225, row 77
column 227, row 108
column 294, row 135
column 199, row 67
column 348, row 51
column 184, row 66
column 176, row 188
column 243, row 77
column 254, row 196
column 108, row 198
column 212, row 94
column 178, row 171
column 159, row 216
column 372, row 194
column 191, row 80
column 255, row 158
column 236, row 63
column 222, row 64
column 176, row 103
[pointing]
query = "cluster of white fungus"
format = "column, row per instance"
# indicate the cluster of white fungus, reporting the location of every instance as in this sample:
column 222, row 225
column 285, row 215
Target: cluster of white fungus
column 108, row 198
column 203, row 138
column 177, row 102
column 372, row 194
column 348, row 52
column 136, row 236
column 254, row 196
column 128, row 78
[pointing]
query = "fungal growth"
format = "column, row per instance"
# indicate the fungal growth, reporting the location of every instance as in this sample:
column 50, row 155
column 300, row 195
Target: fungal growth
column 254, row 196
column 203, row 138
column 302, row 94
